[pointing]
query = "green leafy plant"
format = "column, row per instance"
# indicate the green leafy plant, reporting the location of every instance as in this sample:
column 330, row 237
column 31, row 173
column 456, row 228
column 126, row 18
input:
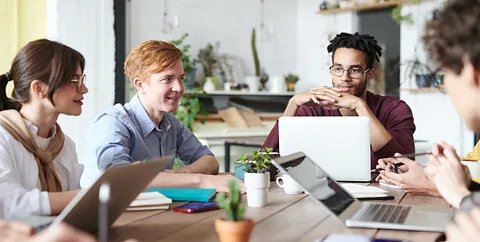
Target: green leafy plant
column 189, row 107
column 291, row 78
column 258, row 162
column 256, row 61
column 188, row 62
column 231, row 203
column 398, row 17
column 208, row 58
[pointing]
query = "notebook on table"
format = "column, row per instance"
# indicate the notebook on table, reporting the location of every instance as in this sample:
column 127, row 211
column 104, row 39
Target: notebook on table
column 150, row 201
column 186, row 194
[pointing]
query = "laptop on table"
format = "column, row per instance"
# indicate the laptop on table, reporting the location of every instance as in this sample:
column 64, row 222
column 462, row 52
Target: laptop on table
column 340, row 145
column 125, row 183
column 328, row 193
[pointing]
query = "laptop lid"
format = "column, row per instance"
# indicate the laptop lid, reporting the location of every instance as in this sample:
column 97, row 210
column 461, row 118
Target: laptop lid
column 125, row 182
column 341, row 145
column 321, row 186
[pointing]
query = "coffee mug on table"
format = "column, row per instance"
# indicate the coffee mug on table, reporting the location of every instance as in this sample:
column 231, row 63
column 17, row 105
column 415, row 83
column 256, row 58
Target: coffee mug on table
column 288, row 184
column 474, row 169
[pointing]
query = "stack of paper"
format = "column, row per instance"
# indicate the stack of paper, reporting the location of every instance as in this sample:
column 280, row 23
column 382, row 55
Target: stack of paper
column 150, row 201
column 360, row 191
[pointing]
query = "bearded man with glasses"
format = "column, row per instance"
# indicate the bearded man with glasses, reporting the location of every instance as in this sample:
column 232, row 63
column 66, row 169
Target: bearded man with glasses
column 391, row 119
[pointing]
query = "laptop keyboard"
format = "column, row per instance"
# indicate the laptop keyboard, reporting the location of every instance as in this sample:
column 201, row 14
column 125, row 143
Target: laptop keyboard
column 385, row 213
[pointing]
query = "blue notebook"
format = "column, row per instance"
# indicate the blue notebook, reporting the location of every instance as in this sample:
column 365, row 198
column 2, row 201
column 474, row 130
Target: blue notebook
column 186, row 194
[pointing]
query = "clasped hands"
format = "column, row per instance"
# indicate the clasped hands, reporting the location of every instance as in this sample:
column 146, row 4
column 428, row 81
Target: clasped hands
column 328, row 98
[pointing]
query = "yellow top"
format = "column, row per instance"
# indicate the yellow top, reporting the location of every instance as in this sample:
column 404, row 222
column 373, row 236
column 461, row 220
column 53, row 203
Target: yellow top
column 474, row 155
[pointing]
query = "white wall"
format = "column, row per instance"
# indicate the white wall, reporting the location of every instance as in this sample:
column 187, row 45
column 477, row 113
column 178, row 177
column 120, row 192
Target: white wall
column 435, row 117
column 87, row 26
column 227, row 21
column 312, row 41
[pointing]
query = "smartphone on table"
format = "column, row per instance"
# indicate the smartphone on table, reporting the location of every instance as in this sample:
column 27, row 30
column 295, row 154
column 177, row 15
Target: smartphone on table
column 196, row 207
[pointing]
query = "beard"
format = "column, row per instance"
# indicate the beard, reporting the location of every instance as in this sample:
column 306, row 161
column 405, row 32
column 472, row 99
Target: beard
column 358, row 90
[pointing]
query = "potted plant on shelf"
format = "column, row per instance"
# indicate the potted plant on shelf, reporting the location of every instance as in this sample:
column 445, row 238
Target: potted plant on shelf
column 189, row 63
column 420, row 72
column 398, row 17
column 291, row 80
column 234, row 228
column 253, row 82
column 257, row 176
column 208, row 59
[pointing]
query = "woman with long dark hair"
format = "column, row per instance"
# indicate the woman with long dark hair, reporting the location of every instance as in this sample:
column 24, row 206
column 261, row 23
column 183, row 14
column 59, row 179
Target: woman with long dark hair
column 39, row 170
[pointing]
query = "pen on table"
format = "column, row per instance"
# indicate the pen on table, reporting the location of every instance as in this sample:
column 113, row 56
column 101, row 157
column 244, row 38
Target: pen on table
column 396, row 165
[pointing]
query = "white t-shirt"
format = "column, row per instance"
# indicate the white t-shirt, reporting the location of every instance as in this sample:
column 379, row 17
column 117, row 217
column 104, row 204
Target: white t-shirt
column 20, row 189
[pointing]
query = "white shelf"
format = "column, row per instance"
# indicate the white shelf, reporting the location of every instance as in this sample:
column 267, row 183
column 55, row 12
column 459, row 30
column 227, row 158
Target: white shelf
column 245, row 93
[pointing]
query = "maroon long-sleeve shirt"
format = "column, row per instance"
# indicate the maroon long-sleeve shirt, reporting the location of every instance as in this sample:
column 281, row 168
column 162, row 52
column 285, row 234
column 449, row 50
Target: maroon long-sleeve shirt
column 395, row 115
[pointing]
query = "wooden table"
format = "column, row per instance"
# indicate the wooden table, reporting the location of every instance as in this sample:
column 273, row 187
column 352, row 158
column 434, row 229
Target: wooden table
column 285, row 218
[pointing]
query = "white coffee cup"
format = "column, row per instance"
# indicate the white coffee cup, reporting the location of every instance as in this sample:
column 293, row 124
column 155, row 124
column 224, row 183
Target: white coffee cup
column 288, row 184
column 474, row 169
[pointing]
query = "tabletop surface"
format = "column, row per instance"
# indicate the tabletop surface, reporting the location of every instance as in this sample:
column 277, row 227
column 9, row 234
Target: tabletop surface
column 285, row 218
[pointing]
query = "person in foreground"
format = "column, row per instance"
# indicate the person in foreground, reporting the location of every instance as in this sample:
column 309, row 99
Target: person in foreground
column 391, row 120
column 39, row 170
column 444, row 174
column 145, row 127
column 452, row 39
column 11, row 231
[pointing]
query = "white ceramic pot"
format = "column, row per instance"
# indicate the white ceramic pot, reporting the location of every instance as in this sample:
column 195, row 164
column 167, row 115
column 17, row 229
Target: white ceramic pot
column 257, row 185
column 253, row 83
column 276, row 84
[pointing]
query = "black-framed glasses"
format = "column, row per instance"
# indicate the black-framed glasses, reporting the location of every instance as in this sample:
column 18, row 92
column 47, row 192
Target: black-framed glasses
column 79, row 81
column 353, row 73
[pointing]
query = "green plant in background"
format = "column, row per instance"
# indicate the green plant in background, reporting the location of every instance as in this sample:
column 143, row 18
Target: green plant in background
column 398, row 17
column 189, row 107
column 232, row 204
column 188, row 62
column 258, row 162
column 291, row 78
column 256, row 61
column 208, row 58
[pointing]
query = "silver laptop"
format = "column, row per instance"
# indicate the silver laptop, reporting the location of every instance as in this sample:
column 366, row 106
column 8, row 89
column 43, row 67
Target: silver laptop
column 341, row 145
column 125, row 183
column 353, row 213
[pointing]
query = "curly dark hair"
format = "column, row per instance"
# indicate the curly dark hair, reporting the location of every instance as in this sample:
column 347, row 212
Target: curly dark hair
column 454, row 32
column 362, row 42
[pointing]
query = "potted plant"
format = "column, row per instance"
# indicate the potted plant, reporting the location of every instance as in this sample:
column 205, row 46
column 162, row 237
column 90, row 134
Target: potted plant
column 253, row 82
column 398, row 17
column 257, row 176
column 234, row 228
column 189, row 63
column 291, row 80
column 208, row 59
column 189, row 107
column 420, row 72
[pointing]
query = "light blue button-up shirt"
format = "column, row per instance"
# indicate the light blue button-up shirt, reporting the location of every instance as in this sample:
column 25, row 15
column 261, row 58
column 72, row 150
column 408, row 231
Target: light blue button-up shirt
column 125, row 133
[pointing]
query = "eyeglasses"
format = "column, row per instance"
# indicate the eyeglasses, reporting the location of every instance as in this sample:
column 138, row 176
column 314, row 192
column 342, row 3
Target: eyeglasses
column 353, row 73
column 79, row 81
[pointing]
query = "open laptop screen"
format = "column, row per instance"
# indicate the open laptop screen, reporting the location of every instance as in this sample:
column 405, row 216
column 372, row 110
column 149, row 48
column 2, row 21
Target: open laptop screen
column 318, row 183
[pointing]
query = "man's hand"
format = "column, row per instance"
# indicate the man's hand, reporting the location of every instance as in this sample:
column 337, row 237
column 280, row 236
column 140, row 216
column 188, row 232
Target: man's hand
column 348, row 101
column 411, row 177
column 320, row 95
column 220, row 182
column 466, row 227
column 449, row 175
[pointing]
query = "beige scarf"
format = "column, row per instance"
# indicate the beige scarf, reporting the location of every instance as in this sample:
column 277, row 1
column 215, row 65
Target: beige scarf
column 12, row 121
